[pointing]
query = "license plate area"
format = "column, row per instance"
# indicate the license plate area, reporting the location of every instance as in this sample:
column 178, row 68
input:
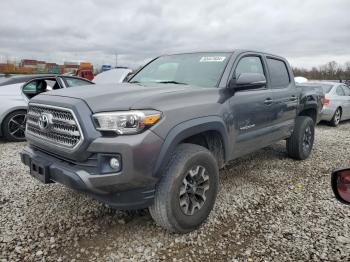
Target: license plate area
column 40, row 171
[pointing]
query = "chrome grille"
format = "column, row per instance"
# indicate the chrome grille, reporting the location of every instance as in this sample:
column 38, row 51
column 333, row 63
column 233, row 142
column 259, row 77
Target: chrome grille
column 54, row 125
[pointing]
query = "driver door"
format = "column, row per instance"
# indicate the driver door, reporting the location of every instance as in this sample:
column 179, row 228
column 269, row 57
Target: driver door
column 252, row 110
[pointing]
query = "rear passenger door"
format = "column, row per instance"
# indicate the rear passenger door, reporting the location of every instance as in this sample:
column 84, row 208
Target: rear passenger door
column 285, row 97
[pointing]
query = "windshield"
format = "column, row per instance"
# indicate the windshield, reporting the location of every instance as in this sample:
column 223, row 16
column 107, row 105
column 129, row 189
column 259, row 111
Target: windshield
column 198, row 69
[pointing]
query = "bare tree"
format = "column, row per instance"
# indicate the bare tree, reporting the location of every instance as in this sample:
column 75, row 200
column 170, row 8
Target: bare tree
column 329, row 71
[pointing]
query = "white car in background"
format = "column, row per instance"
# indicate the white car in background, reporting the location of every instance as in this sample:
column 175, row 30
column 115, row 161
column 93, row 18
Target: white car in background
column 16, row 91
column 112, row 76
column 300, row 80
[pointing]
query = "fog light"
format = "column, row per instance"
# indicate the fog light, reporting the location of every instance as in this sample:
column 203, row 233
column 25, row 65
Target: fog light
column 114, row 163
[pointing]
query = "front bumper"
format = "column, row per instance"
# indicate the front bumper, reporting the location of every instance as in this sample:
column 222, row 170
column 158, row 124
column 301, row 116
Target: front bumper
column 132, row 187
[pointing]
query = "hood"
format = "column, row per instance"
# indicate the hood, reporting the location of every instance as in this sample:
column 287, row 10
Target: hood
column 10, row 90
column 124, row 96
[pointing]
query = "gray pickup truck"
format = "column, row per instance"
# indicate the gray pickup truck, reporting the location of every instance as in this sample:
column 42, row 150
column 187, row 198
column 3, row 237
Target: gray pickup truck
column 159, row 140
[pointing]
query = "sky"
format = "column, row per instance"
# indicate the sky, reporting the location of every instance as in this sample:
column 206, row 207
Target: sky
column 308, row 32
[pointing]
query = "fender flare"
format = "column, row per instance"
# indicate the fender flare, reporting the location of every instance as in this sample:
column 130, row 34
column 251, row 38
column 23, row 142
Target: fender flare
column 312, row 105
column 308, row 101
column 187, row 129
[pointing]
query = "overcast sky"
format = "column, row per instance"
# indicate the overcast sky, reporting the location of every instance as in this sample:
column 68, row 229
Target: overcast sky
column 307, row 32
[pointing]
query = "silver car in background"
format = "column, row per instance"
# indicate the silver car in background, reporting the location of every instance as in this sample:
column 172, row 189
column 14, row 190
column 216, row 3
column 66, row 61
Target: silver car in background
column 336, row 106
column 15, row 93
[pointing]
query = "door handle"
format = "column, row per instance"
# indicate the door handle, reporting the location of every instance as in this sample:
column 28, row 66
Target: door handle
column 293, row 98
column 268, row 101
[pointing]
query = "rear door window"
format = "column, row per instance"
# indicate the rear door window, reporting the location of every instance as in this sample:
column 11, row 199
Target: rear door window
column 71, row 82
column 339, row 91
column 326, row 88
column 346, row 90
column 278, row 73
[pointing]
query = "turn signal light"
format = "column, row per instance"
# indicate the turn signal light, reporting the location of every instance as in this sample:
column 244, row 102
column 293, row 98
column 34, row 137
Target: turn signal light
column 152, row 119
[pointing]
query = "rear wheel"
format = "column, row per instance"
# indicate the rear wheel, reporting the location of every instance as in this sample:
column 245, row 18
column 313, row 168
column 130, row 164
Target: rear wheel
column 336, row 117
column 300, row 144
column 187, row 190
column 13, row 126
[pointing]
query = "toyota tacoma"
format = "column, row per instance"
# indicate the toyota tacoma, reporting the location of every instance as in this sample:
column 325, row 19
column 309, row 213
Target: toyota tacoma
column 159, row 140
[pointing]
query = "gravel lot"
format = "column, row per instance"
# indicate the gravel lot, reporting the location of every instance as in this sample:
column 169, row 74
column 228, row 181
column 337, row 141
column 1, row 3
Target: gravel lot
column 269, row 208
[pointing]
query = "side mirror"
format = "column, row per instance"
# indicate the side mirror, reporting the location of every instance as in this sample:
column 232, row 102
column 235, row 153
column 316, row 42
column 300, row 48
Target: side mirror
column 341, row 185
column 247, row 81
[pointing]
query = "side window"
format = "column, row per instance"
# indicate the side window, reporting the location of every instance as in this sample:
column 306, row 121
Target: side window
column 340, row 91
column 71, row 82
column 346, row 90
column 249, row 64
column 30, row 88
column 278, row 73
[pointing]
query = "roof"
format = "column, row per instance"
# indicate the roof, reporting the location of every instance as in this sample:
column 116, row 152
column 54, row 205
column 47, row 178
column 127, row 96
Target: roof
column 22, row 79
column 228, row 51
column 325, row 82
column 25, row 78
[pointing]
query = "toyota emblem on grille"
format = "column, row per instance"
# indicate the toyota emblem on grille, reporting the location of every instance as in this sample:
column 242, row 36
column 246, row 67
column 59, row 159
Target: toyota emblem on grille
column 45, row 121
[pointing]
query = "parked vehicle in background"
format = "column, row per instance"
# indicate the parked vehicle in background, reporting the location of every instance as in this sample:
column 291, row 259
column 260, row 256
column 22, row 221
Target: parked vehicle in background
column 85, row 73
column 341, row 185
column 159, row 140
column 86, row 70
column 105, row 68
column 115, row 75
column 336, row 102
column 17, row 91
column 300, row 80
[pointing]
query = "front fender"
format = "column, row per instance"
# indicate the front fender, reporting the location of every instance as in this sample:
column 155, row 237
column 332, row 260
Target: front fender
column 187, row 129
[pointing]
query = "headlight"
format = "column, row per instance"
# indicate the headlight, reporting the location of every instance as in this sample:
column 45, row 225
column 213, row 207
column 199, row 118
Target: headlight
column 127, row 122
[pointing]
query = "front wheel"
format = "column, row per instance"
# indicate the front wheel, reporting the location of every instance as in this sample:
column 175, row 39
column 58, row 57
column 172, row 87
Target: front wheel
column 13, row 126
column 300, row 144
column 336, row 118
column 187, row 190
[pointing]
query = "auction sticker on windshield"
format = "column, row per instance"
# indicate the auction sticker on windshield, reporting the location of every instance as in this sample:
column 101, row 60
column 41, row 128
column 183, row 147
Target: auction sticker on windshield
column 212, row 59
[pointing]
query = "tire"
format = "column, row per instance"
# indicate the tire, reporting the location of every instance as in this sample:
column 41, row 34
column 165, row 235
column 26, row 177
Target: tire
column 336, row 117
column 173, row 208
column 299, row 145
column 13, row 126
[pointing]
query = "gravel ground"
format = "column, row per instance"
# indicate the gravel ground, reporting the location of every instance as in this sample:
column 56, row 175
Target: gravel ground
column 269, row 208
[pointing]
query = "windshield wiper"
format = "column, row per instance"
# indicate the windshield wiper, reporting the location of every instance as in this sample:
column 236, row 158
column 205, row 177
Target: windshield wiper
column 171, row 82
column 134, row 82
